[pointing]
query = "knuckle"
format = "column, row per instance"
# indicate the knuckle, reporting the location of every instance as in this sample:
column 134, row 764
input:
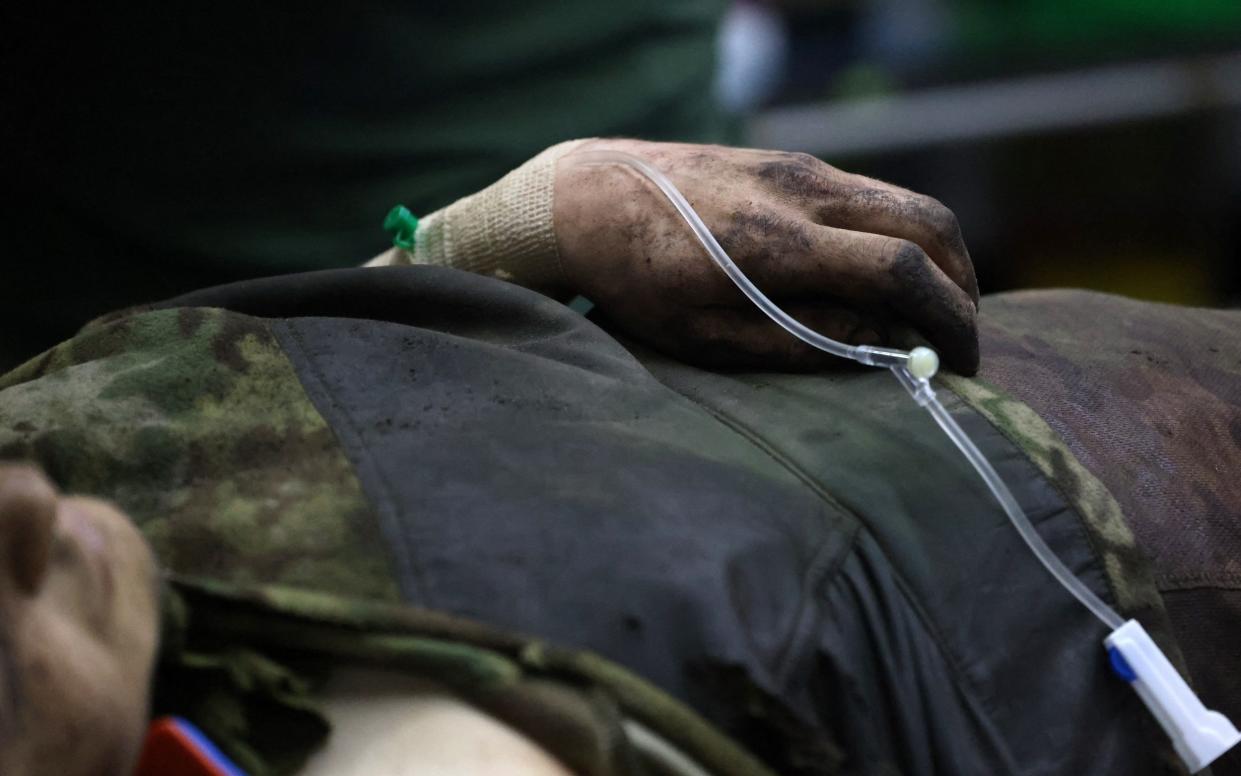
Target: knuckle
column 905, row 257
column 871, row 197
column 909, row 268
column 941, row 220
column 803, row 159
column 797, row 175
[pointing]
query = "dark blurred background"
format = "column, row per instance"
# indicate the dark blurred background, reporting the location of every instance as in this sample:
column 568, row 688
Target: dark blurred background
column 1092, row 143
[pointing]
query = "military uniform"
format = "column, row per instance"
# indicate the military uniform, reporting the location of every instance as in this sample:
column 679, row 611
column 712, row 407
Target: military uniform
column 442, row 473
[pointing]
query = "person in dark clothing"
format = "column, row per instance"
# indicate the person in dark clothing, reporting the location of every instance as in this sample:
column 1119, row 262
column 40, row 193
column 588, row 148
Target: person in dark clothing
column 154, row 150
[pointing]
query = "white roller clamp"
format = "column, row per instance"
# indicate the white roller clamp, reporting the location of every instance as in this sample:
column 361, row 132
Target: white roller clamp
column 1199, row 734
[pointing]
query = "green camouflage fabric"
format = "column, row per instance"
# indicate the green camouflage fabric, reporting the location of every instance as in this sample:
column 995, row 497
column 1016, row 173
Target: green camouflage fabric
column 1142, row 409
column 576, row 704
column 277, row 566
column 194, row 421
column 223, row 462
column 1148, row 398
column 1126, row 567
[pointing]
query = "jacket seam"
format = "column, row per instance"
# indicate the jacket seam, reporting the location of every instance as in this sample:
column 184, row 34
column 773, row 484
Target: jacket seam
column 406, row 561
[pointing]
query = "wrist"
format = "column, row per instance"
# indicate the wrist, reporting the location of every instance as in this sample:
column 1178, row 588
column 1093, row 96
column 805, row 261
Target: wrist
column 505, row 230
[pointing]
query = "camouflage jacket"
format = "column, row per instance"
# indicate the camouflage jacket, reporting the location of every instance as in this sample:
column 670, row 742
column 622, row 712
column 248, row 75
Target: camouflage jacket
column 635, row 562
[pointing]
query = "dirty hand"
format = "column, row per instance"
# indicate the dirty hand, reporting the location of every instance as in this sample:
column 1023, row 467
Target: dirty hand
column 857, row 259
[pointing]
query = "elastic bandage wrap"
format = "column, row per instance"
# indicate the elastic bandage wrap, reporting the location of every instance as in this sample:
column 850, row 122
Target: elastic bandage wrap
column 504, row 231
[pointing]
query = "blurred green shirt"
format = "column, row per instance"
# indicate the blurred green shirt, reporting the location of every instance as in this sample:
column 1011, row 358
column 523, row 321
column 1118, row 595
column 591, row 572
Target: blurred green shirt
column 158, row 153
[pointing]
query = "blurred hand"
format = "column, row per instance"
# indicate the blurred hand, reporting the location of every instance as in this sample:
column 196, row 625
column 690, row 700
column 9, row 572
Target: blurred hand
column 852, row 257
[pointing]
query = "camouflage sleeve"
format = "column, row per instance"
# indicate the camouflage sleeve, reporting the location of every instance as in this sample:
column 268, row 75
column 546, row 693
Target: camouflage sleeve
column 193, row 421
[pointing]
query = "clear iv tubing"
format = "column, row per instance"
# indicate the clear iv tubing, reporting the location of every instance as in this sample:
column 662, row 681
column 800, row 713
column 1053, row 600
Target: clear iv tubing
column 896, row 360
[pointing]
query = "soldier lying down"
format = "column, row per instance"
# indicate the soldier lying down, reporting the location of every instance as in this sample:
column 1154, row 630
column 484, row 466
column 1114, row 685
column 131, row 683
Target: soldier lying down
column 411, row 517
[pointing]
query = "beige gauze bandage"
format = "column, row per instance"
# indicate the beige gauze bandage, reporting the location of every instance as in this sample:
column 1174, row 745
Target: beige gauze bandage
column 504, row 231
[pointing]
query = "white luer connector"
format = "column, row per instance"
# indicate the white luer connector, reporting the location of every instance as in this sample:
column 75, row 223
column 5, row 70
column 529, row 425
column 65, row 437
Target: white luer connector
column 923, row 363
column 1199, row 734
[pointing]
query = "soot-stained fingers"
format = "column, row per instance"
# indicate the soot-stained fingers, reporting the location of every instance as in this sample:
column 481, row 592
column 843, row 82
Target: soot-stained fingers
column 835, row 198
column 934, row 304
column 807, row 262
column 790, row 258
column 883, row 209
column 878, row 272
